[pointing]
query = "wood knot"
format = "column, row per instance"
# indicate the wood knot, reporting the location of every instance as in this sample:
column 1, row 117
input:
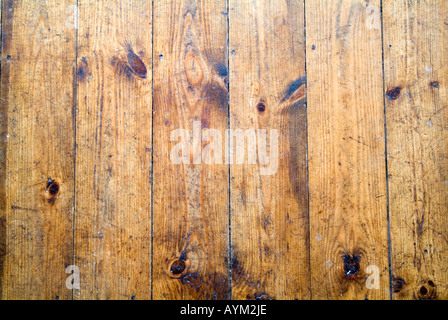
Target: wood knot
column 193, row 67
column 351, row 265
column 427, row 291
column 52, row 190
column 393, row 94
column 261, row 107
column 177, row 267
column 129, row 64
column 434, row 84
column 135, row 63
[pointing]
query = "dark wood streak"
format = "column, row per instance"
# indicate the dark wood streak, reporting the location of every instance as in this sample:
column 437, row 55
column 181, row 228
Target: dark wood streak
column 6, row 36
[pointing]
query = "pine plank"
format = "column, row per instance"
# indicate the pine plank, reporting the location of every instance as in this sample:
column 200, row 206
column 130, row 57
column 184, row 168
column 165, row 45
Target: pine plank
column 3, row 132
column 348, row 203
column 36, row 150
column 190, row 225
column 113, row 155
column 269, row 208
column 416, row 68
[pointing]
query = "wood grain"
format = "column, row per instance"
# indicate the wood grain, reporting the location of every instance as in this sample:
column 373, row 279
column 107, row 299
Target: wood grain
column 36, row 150
column 190, row 224
column 416, row 68
column 348, row 207
column 3, row 133
column 94, row 93
column 113, row 155
column 269, row 208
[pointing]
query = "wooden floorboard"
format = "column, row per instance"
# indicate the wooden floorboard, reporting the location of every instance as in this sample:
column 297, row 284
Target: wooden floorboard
column 346, row 147
column 269, row 196
column 113, row 150
column 415, row 70
column 37, row 156
column 223, row 149
column 191, row 223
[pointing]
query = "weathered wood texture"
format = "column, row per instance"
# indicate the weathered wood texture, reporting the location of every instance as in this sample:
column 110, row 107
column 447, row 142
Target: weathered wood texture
column 269, row 207
column 36, row 150
column 190, row 224
column 346, row 146
column 113, row 150
column 93, row 94
column 416, row 69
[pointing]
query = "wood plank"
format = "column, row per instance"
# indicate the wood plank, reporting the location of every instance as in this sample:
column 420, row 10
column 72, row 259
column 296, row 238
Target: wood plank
column 36, row 151
column 113, row 159
column 348, row 203
column 3, row 133
column 269, row 201
column 190, row 224
column 416, row 69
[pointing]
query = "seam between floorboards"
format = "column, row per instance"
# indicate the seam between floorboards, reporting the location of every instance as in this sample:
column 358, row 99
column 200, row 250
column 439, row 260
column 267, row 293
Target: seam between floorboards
column 385, row 157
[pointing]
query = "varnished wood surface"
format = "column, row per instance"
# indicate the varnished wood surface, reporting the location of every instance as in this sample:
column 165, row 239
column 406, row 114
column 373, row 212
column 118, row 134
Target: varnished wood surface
column 93, row 94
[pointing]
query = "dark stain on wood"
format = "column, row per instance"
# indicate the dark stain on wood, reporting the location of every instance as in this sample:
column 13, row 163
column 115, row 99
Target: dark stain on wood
column 394, row 94
column 216, row 95
column 398, row 284
column 293, row 87
column 82, row 70
column 7, row 34
column 2, row 248
column 221, row 70
column 242, row 279
column 218, row 282
column 296, row 126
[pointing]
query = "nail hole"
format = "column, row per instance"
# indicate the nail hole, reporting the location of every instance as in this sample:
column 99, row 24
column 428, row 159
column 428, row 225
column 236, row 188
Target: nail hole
column 431, row 283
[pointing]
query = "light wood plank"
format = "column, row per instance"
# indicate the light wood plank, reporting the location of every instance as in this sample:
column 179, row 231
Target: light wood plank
column 36, row 151
column 416, row 62
column 113, row 159
column 269, row 201
column 190, row 199
column 348, row 206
